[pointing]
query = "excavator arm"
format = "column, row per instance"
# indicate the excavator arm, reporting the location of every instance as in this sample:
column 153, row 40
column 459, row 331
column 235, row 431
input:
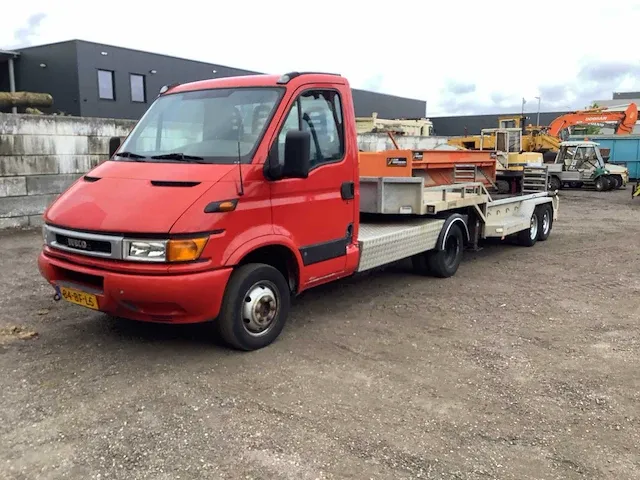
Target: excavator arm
column 626, row 120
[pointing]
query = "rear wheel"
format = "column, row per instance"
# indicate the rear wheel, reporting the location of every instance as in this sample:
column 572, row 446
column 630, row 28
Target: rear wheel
column 528, row 237
column 545, row 222
column 255, row 307
column 442, row 263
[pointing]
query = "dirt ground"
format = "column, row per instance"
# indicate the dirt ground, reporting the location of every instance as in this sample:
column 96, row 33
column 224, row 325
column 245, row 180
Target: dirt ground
column 522, row 366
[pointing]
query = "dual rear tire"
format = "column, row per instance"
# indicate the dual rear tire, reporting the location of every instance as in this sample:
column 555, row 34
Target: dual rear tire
column 540, row 225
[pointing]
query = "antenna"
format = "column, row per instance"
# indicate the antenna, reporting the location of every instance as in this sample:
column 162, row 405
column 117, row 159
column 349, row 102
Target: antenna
column 241, row 191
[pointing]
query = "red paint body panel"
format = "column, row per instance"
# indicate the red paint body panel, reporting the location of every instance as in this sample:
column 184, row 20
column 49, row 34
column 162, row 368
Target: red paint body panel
column 154, row 298
column 124, row 200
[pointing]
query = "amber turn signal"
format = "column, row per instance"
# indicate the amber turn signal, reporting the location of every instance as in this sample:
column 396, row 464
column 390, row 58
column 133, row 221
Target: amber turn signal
column 184, row 250
column 227, row 206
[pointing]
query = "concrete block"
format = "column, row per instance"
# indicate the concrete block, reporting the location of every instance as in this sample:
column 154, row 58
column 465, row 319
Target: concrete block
column 7, row 144
column 14, row 222
column 13, row 186
column 46, row 184
column 98, row 145
column 28, row 165
column 78, row 163
column 62, row 125
column 48, row 145
column 25, row 206
column 36, row 220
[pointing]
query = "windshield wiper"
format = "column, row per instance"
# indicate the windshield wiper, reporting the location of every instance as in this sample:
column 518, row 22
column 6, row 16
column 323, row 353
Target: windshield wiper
column 129, row 155
column 178, row 156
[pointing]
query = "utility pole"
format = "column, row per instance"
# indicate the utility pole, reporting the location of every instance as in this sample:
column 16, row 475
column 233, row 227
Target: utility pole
column 538, row 120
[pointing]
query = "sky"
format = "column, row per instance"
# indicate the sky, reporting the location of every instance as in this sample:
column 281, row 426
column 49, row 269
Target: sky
column 462, row 57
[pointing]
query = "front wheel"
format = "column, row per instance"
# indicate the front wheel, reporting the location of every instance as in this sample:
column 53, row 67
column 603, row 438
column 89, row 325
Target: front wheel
column 600, row 183
column 254, row 308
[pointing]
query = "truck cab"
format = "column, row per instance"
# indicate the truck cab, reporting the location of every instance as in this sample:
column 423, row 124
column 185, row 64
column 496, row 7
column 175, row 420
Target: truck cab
column 155, row 232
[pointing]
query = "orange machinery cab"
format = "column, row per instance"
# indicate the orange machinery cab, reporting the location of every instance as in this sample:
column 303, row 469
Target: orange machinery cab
column 437, row 167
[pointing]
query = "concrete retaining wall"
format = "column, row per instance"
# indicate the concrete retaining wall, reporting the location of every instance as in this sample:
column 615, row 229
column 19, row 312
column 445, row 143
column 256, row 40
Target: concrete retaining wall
column 40, row 156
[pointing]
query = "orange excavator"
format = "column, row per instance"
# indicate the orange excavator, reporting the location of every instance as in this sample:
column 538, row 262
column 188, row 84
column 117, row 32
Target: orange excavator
column 625, row 120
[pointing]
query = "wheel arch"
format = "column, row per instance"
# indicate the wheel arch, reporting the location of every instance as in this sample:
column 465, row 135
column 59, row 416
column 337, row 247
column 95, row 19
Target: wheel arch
column 455, row 219
column 277, row 254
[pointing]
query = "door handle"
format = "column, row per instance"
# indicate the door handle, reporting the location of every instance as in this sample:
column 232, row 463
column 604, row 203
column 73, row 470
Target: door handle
column 347, row 190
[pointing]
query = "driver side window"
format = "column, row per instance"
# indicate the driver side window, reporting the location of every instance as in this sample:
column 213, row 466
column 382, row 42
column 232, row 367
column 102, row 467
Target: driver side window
column 320, row 113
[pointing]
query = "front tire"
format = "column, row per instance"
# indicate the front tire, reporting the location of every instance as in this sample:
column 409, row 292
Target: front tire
column 600, row 183
column 554, row 183
column 254, row 308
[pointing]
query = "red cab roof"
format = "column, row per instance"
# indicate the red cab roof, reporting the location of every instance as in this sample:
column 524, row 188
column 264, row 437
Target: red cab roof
column 256, row 81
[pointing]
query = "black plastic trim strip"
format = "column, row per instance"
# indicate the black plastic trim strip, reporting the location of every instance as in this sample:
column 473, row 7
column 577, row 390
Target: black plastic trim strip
column 173, row 183
column 321, row 252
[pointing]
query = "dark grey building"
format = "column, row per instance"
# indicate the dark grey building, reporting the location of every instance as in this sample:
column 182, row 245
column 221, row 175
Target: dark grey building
column 94, row 80
column 472, row 124
column 626, row 95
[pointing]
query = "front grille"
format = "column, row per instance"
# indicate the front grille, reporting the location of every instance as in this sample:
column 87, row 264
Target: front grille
column 84, row 244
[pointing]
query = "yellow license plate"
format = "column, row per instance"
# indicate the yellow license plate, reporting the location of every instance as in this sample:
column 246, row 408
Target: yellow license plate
column 79, row 298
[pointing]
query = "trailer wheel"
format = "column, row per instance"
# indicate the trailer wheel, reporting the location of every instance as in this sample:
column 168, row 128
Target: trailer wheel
column 529, row 237
column 546, row 222
column 442, row 263
column 255, row 307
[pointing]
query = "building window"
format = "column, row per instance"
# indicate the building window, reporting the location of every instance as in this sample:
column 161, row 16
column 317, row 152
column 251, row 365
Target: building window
column 106, row 87
column 138, row 90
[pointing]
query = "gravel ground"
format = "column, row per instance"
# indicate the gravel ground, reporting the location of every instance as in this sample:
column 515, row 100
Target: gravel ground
column 522, row 366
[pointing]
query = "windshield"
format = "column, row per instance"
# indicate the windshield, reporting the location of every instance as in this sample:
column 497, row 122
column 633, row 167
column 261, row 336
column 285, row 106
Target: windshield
column 203, row 126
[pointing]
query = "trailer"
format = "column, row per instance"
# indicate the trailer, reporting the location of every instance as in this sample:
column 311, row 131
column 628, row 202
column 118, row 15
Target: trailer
column 198, row 216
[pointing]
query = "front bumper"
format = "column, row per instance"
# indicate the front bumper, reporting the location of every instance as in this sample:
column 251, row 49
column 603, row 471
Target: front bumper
column 180, row 298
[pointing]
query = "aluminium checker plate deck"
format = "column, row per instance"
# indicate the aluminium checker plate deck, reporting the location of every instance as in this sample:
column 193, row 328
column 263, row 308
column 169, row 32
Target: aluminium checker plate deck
column 385, row 242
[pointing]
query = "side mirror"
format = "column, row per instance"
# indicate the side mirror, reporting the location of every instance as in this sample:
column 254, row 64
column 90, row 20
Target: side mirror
column 114, row 143
column 297, row 154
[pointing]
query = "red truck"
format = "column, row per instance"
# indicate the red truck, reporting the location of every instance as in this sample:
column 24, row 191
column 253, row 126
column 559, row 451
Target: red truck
column 231, row 196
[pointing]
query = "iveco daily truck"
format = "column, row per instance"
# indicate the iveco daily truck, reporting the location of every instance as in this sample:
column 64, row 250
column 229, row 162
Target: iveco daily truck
column 230, row 196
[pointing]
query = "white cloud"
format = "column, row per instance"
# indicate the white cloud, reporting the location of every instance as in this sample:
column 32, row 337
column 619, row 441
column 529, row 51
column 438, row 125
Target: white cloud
column 418, row 49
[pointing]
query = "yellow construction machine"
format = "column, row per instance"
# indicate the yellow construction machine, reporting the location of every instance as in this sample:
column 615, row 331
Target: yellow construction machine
column 506, row 143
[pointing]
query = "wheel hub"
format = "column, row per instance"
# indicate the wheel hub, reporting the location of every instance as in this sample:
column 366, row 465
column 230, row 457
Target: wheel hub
column 545, row 223
column 533, row 229
column 259, row 309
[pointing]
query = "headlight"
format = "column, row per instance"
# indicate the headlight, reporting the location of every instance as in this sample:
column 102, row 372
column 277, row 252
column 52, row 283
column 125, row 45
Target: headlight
column 178, row 250
column 145, row 250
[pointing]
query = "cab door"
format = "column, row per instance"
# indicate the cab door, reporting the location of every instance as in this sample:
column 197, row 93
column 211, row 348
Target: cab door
column 317, row 212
